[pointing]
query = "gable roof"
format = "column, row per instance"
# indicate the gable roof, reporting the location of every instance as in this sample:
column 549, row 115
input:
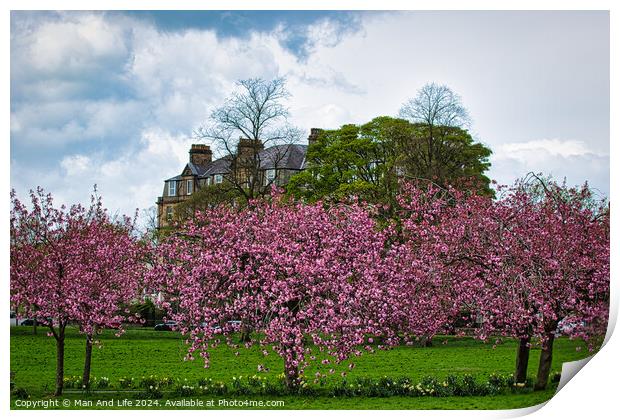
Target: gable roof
column 196, row 169
column 217, row 167
column 174, row 178
column 286, row 156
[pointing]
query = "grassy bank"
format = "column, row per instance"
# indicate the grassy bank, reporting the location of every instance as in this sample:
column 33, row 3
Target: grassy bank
column 144, row 352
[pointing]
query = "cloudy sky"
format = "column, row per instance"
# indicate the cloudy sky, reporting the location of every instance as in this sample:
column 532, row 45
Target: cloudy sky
column 112, row 98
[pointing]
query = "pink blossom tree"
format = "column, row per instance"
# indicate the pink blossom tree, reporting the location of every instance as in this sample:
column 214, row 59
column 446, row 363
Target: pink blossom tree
column 561, row 256
column 534, row 257
column 296, row 273
column 435, row 288
column 474, row 246
column 302, row 274
column 71, row 265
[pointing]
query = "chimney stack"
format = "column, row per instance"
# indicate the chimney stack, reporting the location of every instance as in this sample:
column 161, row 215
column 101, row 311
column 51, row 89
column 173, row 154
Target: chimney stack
column 314, row 135
column 200, row 154
column 247, row 150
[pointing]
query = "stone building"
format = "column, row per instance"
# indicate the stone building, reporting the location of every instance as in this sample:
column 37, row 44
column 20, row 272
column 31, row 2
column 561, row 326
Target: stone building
column 272, row 165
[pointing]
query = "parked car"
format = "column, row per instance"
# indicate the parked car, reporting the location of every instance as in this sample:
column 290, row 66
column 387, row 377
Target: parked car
column 233, row 325
column 30, row 322
column 166, row 326
column 566, row 328
column 217, row 328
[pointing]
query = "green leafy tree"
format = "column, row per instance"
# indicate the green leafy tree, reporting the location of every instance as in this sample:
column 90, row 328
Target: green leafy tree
column 367, row 161
column 440, row 149
column 204, row 198
column 350, row 161
column 208, row 197
column 456, row 159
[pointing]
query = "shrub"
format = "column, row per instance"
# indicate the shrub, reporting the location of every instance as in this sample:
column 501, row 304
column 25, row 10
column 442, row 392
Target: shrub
column 102, row 382
column 20, row 393
column 151, row 393
column 126, row 383
column 72, row 382
column 451, row 386
column 185, row 390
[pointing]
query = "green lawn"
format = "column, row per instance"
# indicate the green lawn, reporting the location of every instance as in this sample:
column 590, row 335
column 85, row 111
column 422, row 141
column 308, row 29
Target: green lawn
column 144, row 352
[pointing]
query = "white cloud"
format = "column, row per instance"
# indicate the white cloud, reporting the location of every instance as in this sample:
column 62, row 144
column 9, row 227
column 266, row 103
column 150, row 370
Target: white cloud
column 75, row 165
column 570, row 159
column 76, row 43
column 61, row 123
column 325, row 33
column 554, row 147
column 327, row 115
column 132, row 179
column 162, row 85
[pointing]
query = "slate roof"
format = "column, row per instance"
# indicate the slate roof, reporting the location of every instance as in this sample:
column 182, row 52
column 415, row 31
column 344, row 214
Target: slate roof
column 218, row 166
column 288, row 156
column 174, row 178
column 197, row 169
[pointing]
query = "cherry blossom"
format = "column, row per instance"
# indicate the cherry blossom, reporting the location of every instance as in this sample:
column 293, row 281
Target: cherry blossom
column 72, row 265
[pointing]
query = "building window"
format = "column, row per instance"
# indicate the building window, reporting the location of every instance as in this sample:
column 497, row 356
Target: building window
column 172, row 188
column 190, row 186
column 208, row 181
column 270, row 175
column 219, row 179
column 169, row 212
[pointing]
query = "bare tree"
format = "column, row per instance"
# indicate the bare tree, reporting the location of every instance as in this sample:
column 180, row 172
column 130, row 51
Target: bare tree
column 436, row 105
column 441, row 121
column 149, row 224
column 252, row 120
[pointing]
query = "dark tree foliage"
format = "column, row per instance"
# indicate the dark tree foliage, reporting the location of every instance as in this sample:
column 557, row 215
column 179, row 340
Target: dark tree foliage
column 208, row 197
column 456, row 158
column 368, row 161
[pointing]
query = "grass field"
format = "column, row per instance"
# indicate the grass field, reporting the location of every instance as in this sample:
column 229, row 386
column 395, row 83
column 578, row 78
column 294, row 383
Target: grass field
column 144, row 352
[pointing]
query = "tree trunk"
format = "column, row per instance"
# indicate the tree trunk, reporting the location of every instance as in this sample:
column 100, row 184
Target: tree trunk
column 291, row 377
column 544, row 366
column 245, row 336
column 87, row 359
column 428, row 341
column 430, row 149
column 523, row 357
column 245, row 333
column 60, row 361
column 34, row 327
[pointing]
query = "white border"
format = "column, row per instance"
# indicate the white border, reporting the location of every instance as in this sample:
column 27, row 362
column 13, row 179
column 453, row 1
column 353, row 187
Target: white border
column 592, row 394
